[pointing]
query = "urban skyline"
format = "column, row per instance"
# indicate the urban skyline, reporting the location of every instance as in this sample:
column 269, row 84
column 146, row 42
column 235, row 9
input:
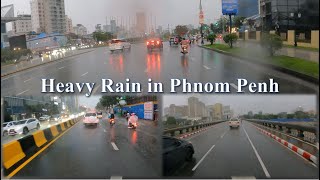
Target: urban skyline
column 242, row 104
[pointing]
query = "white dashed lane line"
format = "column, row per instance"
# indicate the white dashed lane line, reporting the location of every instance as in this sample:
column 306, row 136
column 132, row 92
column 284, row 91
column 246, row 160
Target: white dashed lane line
column 114, row 146
column 22, row 92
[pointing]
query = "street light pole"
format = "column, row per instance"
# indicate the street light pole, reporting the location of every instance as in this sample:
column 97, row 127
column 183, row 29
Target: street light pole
column 202, row 34
column 295, row 24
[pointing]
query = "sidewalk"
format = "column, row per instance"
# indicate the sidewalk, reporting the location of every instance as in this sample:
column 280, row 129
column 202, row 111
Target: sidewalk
column 36, row 61
column 286, row 51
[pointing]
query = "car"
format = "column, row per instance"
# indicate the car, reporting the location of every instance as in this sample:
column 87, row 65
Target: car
column 64, row 115
column 90, row 118
column 99, row 115
column 175, row 153
column 44, row 118
column 118, row 44
column 234, row 123
column 154, row 43
column 24, row 126
column 55, row 117
column 6, row 126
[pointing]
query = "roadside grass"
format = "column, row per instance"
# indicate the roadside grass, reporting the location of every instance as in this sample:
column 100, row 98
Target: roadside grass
column 296, row 64
column 7, row 63
column 304, row 48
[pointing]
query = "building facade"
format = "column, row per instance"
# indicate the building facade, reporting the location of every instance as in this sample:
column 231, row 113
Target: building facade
column 80, row 30
column 247, row 8
column 22, row 26
column 283, row 15
column 69, row 27
column 141, row 22
column 226, row 112
column 48, row 16
column 217, row 111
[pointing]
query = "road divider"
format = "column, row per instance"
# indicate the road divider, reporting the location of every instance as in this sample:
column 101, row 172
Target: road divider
column 184, row 131
column 290, row 146
column 16, row 152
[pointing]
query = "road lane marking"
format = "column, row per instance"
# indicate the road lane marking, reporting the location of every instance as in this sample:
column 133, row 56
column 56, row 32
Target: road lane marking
column 243, row 177
column 223, row 134
column 258, row 156
column 114, row 146
column 61, row 67
column 27, row 80
column 37, row 153
column 95, row 89
column 22, row 92
column 206, row 67
column 234, row 86
column 195, row 167
column 116, row 177
column 84, row 74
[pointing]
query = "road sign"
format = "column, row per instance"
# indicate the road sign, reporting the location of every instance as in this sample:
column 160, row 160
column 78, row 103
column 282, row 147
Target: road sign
column 201, row 17
column 229, row 7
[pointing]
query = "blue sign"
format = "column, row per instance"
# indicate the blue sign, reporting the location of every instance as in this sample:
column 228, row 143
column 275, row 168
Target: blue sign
column 229, row 7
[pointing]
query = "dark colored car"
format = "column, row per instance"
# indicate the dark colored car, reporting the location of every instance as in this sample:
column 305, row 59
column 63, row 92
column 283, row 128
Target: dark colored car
column 175, row 153
column 154, row 44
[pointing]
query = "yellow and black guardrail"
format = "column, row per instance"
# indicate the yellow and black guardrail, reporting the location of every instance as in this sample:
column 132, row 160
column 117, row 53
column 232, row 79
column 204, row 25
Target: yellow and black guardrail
column 18, row 151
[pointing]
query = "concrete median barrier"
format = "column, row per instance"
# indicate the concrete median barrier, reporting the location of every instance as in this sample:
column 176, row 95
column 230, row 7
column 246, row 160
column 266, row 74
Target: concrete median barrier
column 16, row 152
column 54, row 131
column 12, row 153
column 39, row 138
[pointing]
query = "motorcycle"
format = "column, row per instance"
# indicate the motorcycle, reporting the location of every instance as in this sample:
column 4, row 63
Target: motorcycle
column 133, row 125
column 112, row 122
column 184, row 49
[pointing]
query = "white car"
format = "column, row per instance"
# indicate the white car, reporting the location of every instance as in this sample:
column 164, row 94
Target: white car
column 91, row 118
column 118, row 44
column 44, row 118
column 6, row 126
column 24, row 126
column 234, row 123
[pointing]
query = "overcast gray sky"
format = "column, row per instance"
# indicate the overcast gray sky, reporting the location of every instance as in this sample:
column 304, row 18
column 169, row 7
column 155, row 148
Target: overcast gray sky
column 90, row 13
column 243, row 103
column 90, row 102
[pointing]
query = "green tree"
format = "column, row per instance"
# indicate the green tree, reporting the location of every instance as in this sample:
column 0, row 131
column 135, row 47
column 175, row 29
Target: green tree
column 271, row 42
column 6, row 112
column 238, row 21
column 171, row 120
column 212, row 37
column 230, row 38
column 102, row 36
column 181, row 30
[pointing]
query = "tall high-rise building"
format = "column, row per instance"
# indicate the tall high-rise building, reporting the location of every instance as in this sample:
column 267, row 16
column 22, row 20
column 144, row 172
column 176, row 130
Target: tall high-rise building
column 217, row 111
column 69, row 27
column 48, row 16
column 113, row 26
column 141, row 22
column 192, row 107
column 80, row 30
column 226, row 112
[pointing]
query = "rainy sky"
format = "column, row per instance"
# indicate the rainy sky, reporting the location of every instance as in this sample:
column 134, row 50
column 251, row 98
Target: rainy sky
column 164, row 12
column 241, row 104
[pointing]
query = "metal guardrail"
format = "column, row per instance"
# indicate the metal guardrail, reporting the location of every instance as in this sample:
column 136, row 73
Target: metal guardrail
column 288, row 128
column 186, row 129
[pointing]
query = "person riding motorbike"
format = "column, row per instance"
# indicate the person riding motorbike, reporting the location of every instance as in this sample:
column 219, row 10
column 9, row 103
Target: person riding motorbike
column 128, row 116
column 132, row 120
column 184, row 43
column 111, row 117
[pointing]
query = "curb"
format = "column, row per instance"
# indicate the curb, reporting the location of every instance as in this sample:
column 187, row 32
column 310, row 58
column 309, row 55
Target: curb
column 190, row 134
column 294, row 148
column 281, row 69
column 16, row 152
column 7, row 74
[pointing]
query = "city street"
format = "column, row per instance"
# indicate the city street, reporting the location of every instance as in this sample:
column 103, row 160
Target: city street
column 100, row 152
column 221, row 152
column 200, row 65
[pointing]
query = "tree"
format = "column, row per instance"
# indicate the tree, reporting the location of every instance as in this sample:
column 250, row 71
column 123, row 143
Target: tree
column 7, row 116
column 171, row 120
column 271, row 42
column 181, row 30
column 230, row 38
column 102, row 36
column 238, row 21
column 212, row 37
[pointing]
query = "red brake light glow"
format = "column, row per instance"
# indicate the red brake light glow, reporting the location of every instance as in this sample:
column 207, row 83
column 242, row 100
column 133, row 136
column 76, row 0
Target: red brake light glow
column 158, row 42
column 148, row 43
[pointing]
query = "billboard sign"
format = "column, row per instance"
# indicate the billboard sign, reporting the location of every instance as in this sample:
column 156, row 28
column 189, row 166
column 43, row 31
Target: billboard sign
column 148, row 110
column 229, row 7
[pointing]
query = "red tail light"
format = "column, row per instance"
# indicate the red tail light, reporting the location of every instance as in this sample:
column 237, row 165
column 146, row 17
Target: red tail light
column 158, row 42
column 152, row 41
column 148, row 43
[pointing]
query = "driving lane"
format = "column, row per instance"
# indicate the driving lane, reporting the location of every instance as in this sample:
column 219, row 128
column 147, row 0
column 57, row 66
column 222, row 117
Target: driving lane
column 99, row 152
column 221, row 152
column 200, row 65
